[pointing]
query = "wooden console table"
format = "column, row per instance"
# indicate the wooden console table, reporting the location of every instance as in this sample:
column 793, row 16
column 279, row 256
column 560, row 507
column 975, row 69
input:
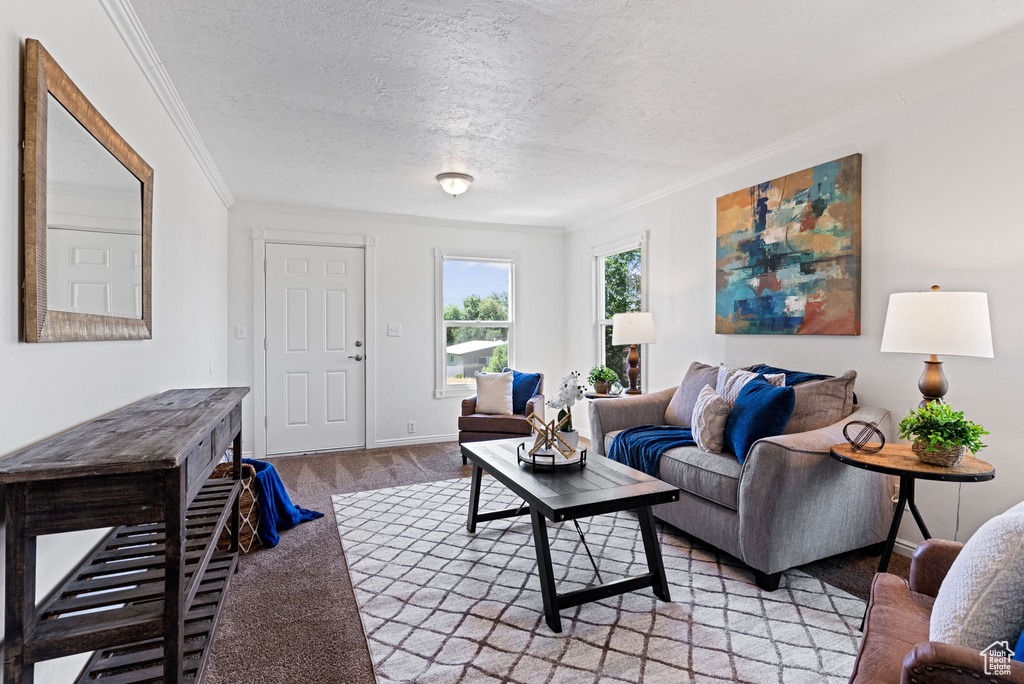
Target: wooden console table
column 148, row 597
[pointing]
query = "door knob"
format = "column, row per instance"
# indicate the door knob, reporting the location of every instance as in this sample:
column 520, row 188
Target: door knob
column 359, row 343
column 357, row 357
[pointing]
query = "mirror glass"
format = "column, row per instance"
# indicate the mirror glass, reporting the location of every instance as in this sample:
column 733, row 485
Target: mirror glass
column 93, row 223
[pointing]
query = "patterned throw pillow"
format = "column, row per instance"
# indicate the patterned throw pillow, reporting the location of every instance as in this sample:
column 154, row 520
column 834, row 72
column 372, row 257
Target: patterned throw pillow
column 731, row 381
column 710, row 415
column 981, row 599
column 494, row 393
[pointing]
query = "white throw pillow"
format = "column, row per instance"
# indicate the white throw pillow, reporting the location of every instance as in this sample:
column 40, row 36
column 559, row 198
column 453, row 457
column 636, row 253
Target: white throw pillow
column 710, row 415
column 731, row 381
column 981, row 600
column 494, row 393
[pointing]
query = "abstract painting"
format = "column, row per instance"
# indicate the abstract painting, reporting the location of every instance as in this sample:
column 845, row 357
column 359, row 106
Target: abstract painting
column 788, row 254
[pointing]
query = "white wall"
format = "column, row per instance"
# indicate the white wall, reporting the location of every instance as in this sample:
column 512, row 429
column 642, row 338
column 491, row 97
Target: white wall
column 942, row 181
column 405, row 295
column 51, row 387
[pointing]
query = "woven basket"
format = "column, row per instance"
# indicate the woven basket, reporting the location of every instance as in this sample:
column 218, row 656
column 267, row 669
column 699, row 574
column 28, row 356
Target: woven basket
column 248, row 537
column 945, row 456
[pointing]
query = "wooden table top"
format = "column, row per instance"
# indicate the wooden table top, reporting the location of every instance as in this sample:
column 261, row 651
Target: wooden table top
column 900, row 459
column 601, row 486
column 148, row 435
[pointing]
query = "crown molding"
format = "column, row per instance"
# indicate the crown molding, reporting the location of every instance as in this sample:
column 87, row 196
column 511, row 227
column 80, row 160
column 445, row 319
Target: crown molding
column 123, row 16
column 940, row 76
column 351, row 215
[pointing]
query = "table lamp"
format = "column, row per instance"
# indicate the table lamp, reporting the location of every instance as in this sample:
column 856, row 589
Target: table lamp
column 934, row 323
column 633, row 328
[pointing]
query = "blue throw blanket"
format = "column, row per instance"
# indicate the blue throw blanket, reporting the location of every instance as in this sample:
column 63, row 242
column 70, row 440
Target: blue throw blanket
column 641, row 447
column 792, row 377
column 277, row 512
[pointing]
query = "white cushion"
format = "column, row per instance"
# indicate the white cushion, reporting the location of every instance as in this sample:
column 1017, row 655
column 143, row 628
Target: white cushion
column 710, row 415
column 732, row 380
column 981, row 600
column 494, row 393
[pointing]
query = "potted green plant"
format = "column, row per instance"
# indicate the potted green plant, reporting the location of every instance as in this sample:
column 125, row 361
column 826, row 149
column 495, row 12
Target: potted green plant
column 941, row 434
column 601, row 377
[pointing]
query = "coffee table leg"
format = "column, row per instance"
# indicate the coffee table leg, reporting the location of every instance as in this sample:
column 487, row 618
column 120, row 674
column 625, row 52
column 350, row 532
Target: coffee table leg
column 547, row 574
column 474, row 498
column 652, row 548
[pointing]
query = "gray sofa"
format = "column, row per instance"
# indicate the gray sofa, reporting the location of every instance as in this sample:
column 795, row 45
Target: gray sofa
column 788, row 504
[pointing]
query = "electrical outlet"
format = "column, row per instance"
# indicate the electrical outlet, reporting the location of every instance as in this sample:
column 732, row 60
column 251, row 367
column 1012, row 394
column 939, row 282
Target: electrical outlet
column 394, row 329
column 412, row 426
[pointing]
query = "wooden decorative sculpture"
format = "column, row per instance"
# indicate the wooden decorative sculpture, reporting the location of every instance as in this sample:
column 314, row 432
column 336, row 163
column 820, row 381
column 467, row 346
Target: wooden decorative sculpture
column 548, row 437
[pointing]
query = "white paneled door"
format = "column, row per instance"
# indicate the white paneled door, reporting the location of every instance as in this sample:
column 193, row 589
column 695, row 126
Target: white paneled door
column 315, row 355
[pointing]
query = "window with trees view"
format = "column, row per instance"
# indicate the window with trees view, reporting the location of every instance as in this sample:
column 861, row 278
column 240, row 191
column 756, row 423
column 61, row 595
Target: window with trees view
column 619, row 290
column 476, row 318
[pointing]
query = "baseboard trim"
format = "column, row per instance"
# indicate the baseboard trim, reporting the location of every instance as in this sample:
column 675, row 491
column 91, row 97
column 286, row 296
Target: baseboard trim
column 904, row 547
column 409, row 441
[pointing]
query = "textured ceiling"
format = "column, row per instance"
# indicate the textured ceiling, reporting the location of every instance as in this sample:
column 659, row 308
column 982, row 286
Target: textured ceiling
column 559, row 108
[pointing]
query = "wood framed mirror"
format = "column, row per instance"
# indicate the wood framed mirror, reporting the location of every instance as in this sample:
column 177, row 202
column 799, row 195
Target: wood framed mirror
column 88, row 213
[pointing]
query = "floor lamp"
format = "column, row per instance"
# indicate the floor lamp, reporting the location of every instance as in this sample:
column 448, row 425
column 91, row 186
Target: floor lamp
column 633, row 328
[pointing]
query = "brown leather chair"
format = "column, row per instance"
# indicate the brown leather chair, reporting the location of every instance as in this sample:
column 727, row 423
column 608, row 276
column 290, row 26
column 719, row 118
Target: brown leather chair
column 476, row 427
column 895, row 648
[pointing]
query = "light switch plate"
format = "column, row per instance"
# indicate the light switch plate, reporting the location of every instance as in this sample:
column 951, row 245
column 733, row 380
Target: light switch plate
column 240, row 332
column 394, row 329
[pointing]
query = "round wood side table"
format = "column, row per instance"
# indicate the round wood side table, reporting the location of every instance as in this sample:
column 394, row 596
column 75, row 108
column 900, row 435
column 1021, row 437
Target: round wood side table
column 900, row 460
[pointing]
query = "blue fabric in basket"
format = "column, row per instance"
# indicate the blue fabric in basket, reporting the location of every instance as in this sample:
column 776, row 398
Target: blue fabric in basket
column 277, row 512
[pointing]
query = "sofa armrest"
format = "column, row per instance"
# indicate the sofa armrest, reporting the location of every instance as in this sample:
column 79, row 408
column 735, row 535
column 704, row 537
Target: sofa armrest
column 609, row 415
column 469, row 405
column 933, row 662
column 932, row 560
column 535, row 405
column 797, row 504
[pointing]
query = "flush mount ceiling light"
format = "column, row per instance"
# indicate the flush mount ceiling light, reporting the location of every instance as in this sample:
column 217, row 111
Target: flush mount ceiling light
column 454, row 183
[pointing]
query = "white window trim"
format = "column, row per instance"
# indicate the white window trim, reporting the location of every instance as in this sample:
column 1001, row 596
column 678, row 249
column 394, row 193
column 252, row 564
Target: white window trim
column 442, row 389
column 597, row 253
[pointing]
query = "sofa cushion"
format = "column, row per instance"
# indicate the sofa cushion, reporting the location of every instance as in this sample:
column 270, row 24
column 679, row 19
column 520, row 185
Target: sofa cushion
column 709, row 418
column 494, row 393
column 714, row 477
column 897, row 620
column 680, row 409
column 524, row 386
column 609, row 437
column 820, row 403
column 761, row 410
column 480, row 422
column 981, row 600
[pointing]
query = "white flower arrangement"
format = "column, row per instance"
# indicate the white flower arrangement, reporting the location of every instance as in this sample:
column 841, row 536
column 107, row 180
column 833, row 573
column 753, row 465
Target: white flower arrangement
column 569, row 391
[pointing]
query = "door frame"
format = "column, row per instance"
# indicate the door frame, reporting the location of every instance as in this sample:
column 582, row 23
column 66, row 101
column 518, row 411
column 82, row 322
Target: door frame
column 260, row 238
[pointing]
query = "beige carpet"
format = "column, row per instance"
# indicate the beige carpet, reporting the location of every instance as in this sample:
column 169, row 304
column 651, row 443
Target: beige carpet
column 291, row 615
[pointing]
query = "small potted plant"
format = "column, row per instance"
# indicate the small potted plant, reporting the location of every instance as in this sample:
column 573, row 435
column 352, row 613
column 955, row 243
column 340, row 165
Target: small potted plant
column 941, row 435
column 568, row 393
column 602, row 377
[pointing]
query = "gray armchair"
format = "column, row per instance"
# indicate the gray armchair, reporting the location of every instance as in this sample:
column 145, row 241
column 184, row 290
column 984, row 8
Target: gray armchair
column 788, row 504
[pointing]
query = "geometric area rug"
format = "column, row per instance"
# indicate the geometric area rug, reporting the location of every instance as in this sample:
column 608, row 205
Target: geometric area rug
column 440, row 605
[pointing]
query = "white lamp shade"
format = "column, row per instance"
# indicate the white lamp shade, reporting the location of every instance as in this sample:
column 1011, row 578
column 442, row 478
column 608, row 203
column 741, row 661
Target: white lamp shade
column 940, row 323
column 633, row 328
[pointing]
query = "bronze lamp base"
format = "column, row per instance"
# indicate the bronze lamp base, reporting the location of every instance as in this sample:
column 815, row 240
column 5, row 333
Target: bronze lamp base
column 633, row 359
column 933, row 383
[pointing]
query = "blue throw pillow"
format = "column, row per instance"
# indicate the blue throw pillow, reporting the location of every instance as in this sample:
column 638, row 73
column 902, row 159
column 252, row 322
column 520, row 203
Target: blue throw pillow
column 1018, row 653
column 524, row 386
column 761, row 410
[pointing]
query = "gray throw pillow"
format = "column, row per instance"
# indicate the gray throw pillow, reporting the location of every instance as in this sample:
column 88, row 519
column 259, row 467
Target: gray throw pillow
column 680, row 409
column 821, row 403
column 981, row 600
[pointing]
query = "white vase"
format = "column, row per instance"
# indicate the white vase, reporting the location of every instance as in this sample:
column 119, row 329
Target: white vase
column 570, row 437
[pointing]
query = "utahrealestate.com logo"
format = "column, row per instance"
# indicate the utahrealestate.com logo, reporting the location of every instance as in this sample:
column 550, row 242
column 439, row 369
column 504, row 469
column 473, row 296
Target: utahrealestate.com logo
column 997, row 659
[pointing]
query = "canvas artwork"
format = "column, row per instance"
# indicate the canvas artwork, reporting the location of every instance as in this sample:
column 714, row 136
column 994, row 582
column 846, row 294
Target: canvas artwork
column 788, row 254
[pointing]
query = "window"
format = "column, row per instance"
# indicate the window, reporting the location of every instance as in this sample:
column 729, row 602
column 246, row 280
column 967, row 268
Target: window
column 619, row 280
column 475, row 304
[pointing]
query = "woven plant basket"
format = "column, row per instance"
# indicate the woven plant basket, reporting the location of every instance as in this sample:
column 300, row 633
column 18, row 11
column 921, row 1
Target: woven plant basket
column 945, row 456
column 248, row 537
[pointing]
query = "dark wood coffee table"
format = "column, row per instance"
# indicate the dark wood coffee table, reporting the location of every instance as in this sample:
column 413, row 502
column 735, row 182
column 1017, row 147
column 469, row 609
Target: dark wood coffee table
column 601, row 486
